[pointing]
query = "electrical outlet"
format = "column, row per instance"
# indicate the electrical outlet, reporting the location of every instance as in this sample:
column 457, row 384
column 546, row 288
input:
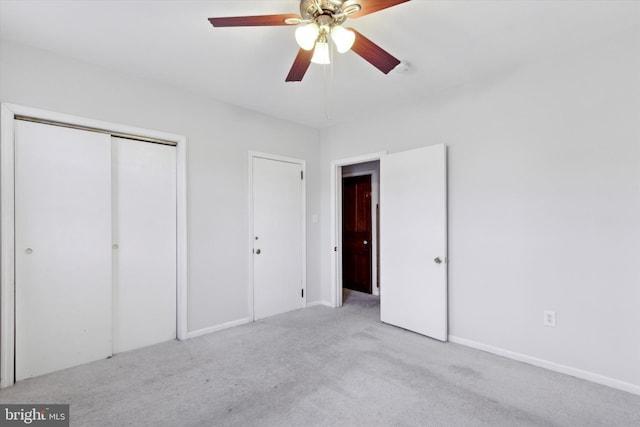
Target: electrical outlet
column 549, row 318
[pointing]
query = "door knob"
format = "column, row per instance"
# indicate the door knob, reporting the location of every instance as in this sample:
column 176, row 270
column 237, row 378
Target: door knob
column 366, row 242
column 28, row 251
column 437, row 260
column 257, row 251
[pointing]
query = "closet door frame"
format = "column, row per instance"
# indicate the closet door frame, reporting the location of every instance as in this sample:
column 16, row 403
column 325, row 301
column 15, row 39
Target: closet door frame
column 8, row 113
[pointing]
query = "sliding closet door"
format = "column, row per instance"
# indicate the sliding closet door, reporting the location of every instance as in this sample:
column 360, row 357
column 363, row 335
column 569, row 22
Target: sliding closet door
column 63, row 248
column 144, row 237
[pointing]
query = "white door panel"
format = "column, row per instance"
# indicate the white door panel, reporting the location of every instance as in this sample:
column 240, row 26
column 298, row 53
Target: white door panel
column 63, row 248
column 413, row 286
column 278, row 235
column 144, row 230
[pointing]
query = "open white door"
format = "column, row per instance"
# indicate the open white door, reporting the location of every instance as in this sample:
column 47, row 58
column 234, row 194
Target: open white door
column 413, row 241
column 278, row 237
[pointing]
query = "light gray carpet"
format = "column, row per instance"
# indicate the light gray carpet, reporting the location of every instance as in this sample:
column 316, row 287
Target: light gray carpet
column 323, row 367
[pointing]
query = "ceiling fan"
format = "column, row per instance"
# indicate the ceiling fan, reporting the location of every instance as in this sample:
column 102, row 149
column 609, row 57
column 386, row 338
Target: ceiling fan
column 320, row 23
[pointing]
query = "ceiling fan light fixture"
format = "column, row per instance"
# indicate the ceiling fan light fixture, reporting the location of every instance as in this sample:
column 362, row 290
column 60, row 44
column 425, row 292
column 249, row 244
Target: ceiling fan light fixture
column 343, row 38
column 307, row 35
column 321, row 53
column 319, row 25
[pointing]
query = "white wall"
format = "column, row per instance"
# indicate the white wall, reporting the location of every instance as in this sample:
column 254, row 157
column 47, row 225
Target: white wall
column 544, row 186
column 544, row 205
column 218, row 139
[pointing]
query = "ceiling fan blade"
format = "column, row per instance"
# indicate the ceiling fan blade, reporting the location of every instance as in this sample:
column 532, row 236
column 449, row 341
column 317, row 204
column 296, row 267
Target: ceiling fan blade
column 252, row 21
column 371, row 6
column 300, row 65
column 374, row 54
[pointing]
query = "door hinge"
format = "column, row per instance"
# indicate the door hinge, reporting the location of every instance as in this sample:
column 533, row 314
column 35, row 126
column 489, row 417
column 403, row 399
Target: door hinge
column 301, row 174
column 301, row 293
column 335, row 249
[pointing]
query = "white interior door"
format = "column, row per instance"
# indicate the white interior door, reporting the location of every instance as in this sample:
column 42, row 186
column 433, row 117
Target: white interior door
column 413, row 224
column 278, row 237
column 63, row 299
column 144, row 239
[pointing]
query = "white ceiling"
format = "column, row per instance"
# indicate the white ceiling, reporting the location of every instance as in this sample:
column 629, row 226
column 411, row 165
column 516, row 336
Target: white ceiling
column 446, row 43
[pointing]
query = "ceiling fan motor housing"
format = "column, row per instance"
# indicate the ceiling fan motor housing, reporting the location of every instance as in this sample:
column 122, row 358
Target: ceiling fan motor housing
column 336, row 9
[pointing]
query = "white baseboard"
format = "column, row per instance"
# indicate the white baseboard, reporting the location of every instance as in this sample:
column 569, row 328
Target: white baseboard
column 216, row 328
column 239, row 322
column 314, row 303
column 563, row 369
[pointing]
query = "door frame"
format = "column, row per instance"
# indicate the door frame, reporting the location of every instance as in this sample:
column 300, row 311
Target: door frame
column 7, row 219
column 375, row 199
column 250, row 240
column 336, row 220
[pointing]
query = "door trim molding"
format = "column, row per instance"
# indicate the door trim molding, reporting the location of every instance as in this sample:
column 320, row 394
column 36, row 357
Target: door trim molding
column 7, row 220
column 250, row 241
column 336, row 220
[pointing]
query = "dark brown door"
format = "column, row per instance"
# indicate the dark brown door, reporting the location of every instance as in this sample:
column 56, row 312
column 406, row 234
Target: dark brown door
column 356, row 233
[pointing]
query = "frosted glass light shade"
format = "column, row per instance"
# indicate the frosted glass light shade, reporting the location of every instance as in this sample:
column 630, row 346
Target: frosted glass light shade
column 321, row 53
column 343, row 38
column 307, row 35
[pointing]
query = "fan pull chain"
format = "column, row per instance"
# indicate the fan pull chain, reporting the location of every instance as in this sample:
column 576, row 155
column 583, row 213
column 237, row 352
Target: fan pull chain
column 328, row 81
